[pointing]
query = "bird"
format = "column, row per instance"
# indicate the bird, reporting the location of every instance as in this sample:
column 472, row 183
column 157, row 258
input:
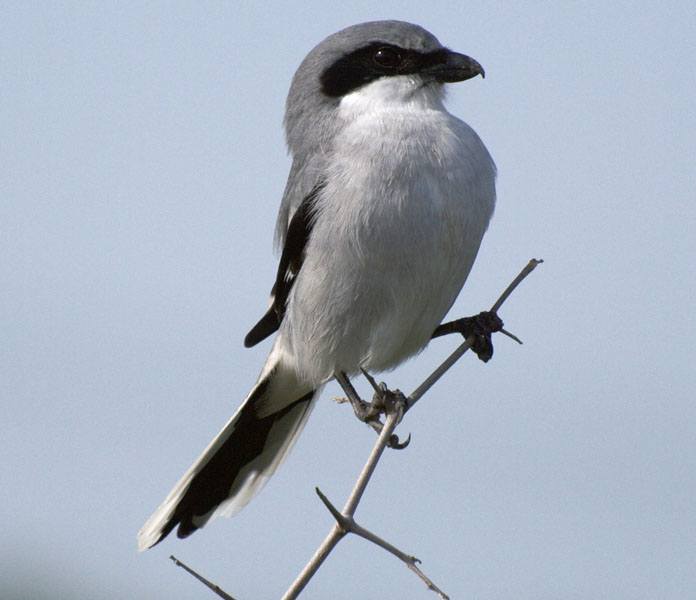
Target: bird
column 385, row 207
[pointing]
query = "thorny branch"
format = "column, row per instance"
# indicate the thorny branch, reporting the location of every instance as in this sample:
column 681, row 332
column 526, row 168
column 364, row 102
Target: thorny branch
column 393, row 405
column 417, row 394
column 209, row 584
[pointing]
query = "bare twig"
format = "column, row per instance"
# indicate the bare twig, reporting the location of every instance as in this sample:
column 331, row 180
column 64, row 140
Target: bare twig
column 349, row 525
column 219, row 591
column 345, row 523
column 394, row 405
column 337, row 531
column 529, row 267
column 418, row 393
column 512, row 336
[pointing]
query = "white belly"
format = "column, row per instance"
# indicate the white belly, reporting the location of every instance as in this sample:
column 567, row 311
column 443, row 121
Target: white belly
column 397, row 229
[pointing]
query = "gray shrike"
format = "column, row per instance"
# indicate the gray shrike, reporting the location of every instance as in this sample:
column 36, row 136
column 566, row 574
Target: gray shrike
column 387, row 201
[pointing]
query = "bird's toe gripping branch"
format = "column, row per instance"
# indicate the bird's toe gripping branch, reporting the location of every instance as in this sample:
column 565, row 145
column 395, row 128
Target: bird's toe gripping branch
column 384, row 401
column 388, row 401
column 480, row 327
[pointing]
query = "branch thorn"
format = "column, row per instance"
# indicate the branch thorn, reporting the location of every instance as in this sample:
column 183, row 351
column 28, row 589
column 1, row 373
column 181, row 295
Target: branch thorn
column 511, row 336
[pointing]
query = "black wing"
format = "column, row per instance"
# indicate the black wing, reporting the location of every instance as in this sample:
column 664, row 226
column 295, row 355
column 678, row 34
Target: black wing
column 291, row 260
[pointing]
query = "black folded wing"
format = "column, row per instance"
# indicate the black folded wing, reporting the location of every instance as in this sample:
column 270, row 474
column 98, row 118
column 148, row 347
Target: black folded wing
column 291, row 260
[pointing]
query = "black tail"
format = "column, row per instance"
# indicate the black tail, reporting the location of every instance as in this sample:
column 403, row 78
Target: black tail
column 238, row 461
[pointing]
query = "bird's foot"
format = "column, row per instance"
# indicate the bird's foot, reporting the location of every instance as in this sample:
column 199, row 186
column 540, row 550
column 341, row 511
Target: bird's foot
column 480, row 327
column 387, row 401
column 384, row 401
column 363, row 410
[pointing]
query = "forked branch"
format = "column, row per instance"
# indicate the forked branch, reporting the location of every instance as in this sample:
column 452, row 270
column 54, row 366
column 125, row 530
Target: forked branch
column 393, row 405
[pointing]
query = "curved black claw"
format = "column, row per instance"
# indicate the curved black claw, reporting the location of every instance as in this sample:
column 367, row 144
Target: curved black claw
column 396, row 444
column 480, row 326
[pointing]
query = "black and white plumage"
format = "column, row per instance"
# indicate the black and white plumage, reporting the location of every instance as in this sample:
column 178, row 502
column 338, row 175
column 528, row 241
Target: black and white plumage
column 386, row 204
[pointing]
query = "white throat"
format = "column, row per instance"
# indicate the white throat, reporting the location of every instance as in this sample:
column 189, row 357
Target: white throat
column 402, row 92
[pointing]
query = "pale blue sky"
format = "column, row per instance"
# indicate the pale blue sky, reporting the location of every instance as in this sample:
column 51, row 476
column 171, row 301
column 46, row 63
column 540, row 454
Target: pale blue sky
column 142, row 165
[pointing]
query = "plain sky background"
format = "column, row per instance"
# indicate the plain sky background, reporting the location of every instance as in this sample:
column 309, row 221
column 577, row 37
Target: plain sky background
column 141, row 165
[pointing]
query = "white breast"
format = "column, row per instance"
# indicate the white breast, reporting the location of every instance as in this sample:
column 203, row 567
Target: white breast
column 409, row 193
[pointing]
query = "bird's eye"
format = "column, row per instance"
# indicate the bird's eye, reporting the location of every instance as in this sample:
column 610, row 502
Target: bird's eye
column 387, row 57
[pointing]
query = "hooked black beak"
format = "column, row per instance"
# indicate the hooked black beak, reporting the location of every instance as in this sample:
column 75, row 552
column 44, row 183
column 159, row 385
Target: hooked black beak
column 453, row 66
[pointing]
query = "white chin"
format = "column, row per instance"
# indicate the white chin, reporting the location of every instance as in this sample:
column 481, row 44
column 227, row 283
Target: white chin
column 390, row 92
